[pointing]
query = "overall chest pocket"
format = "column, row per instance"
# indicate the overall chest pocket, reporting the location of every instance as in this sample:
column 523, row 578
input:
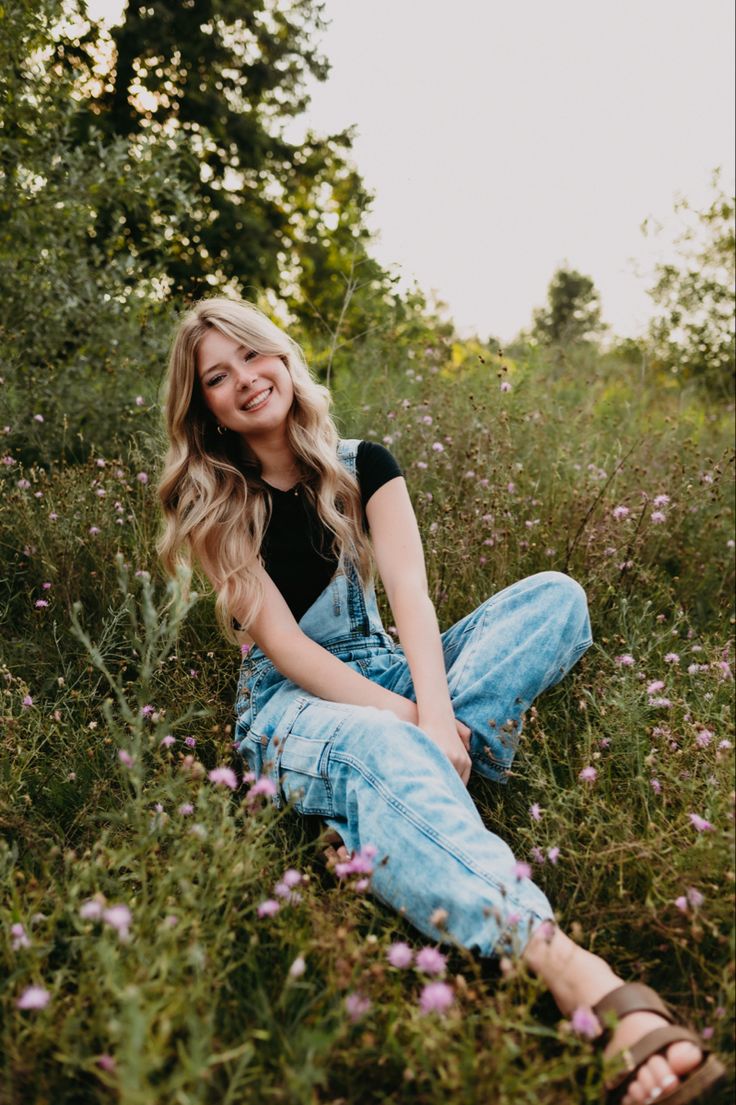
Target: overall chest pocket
column 304, row 757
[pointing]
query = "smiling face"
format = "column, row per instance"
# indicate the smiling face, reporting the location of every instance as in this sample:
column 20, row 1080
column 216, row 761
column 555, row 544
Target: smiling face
column 246, row 392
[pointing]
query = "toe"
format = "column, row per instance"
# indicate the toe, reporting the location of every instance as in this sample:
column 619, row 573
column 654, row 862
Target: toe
column 664, row 1079
column 683, row 1056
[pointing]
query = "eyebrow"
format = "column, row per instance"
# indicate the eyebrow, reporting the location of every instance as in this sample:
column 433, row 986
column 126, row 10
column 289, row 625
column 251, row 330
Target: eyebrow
column 217, row 364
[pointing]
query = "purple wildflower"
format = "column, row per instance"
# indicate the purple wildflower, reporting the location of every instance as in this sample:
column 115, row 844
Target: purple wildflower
column 585, row 1023
column 223, row 776
column 356, row 1006
column 400, row 954
column 430, row 961
column 268, row 908
column 33, row 997
column 436, row 997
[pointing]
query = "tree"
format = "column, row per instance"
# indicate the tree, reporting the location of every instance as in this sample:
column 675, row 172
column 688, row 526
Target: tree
column 573, row 311
column 77, row 305
column 692, row 335
column 225, row 76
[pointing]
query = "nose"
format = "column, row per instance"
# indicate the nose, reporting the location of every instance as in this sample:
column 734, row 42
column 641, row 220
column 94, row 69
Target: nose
column 247, row 377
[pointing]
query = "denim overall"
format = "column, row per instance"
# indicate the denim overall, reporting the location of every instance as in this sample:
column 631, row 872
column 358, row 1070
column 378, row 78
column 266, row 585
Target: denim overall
column 382, row 782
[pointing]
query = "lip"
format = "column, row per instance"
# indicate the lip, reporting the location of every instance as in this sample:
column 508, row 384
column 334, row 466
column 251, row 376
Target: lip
column 256, row 396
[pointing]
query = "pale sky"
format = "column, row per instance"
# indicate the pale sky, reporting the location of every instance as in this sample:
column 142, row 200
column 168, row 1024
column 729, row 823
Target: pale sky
column 502, row 140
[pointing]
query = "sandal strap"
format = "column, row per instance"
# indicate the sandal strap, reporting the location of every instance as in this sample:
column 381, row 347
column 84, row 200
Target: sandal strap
column 632, row 997
column 652, row 1044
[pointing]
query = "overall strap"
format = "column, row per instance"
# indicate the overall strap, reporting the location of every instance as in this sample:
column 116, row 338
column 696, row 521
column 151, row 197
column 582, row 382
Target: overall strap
column 347, row 451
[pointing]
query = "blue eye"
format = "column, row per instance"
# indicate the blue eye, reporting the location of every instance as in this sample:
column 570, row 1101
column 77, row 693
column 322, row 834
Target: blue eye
column 213, row 380
column 250, row 354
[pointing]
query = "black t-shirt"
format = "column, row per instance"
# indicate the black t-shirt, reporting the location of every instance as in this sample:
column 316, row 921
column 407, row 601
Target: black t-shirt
column 296, row 548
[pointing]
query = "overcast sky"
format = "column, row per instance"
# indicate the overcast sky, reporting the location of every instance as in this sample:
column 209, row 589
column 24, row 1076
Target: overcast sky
column 502, row 140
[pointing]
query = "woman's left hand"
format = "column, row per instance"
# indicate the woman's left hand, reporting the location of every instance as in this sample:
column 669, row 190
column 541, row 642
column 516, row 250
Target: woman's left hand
column 464, row 733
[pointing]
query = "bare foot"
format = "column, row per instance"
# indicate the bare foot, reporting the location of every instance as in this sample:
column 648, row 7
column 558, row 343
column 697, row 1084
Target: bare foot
column 659, row 1076
column 578, row 978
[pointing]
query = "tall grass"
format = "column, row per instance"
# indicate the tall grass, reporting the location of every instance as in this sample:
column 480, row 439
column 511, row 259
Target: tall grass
column 133, row 883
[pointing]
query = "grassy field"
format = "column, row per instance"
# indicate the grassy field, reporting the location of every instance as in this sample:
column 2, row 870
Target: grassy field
column 137, row 966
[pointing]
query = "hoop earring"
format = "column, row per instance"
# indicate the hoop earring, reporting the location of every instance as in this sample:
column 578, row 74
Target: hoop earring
column 221, row 430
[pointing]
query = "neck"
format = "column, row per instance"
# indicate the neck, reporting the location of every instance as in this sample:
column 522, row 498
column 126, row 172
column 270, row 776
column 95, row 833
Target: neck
column 275, row 457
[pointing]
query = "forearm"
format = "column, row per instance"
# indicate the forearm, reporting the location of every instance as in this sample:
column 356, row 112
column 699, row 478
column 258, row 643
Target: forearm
column 323, row 674
column 419, row 635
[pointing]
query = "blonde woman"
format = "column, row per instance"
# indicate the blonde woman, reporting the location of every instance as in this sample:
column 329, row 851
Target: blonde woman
column 379, row 739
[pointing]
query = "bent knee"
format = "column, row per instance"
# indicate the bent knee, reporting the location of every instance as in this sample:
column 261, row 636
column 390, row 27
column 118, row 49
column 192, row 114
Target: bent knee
column 564, row 587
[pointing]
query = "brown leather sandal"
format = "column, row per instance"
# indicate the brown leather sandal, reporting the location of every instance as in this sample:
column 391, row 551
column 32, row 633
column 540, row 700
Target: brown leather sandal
column 635, row 997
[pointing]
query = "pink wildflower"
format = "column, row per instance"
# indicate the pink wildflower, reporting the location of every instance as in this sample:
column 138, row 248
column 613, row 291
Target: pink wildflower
column 91, row 910
column 703, row 738
column 186, row 808
column 139, row 401
column 655, row 685
column 38, row 418
column 125, row 758
column 672, row 658
column 660, row 703
column 263, row 786
column 399, row 954
column 27, row 701
column 438, row 447
column 430, row 961
column 625, row 661
column 223, row 776
column 106, row 1062
column 620, row 512
column 356, row 1006
column 553, row 854
column 535, row 812
column 537, row 854
column 658, row 517
column 291, row 877
column 268, row 908
column 146, row 711
column 694, row 896
column 700, row 823
column 522, row 870
column 33, row 997
column 94, row 530
column 585, row 1023
column 142, row 477
column 359, row 864
column 40, row 604
column 168, row 740
column 661, row 500
column 436, row 997
column 505, row 385
column 119, row 918
column 588, row 775
column 681, row 903
column 655, row 785
column 20, row 937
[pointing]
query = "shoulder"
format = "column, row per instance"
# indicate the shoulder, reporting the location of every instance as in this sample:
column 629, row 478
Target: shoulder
column 375, row 466
column 374, row 457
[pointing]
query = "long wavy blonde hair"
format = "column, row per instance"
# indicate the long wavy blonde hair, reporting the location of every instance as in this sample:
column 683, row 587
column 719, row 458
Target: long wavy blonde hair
column 216, row 506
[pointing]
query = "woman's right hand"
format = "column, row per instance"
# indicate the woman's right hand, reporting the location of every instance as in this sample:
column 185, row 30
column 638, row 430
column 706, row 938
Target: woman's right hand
column 453, row 744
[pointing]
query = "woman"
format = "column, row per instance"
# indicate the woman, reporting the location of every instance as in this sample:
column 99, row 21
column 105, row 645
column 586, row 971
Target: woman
column 379, row 740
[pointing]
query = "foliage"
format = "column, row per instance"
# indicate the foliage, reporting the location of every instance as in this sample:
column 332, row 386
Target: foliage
column 573, row 311
column 268, row 213
column 692, row 336
column 198, row 998
column 84, row 327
